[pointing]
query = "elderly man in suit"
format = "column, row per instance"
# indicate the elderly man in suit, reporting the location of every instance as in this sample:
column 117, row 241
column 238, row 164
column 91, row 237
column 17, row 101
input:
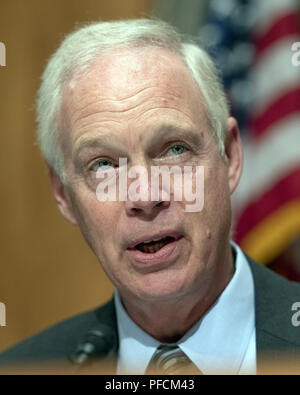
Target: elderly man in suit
column 186, row 296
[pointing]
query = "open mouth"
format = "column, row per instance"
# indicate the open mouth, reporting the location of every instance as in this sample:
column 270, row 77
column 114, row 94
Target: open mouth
column 153, row 246
column 155, row 251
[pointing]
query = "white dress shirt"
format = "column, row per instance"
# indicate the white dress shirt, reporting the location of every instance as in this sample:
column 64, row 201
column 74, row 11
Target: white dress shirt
column 222, row 341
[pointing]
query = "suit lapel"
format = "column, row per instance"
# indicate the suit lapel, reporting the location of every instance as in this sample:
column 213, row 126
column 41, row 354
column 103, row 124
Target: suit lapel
column 275, row 335
column 107, row 315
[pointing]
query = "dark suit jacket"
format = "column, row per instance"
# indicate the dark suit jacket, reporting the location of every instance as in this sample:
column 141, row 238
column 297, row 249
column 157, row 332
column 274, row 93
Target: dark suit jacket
column 276, row 336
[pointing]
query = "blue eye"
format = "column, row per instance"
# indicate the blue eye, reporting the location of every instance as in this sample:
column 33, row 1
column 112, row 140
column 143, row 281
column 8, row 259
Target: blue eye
column 102, row 164
column 177, row 149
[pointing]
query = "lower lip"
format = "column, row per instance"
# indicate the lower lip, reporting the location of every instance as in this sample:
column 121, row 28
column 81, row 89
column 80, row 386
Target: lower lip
column 165, row 255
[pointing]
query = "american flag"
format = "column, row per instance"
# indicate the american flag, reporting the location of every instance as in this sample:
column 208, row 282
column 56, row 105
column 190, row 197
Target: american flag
column 253, row 43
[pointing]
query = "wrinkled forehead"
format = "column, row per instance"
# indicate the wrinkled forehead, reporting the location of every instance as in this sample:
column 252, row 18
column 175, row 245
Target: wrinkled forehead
column 123, row 73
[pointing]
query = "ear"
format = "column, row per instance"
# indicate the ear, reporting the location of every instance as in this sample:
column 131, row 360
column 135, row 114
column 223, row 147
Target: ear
column 61, row 197
column 234, row 154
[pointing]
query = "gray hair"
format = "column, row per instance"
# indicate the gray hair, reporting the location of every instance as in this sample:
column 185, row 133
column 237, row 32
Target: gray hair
column 85, row 44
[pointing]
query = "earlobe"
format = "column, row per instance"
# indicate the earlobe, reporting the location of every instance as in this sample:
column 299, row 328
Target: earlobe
column 62, row 200
column 234, row 154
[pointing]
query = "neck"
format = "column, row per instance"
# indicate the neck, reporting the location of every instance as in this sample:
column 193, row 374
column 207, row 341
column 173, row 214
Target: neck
column 168, row 320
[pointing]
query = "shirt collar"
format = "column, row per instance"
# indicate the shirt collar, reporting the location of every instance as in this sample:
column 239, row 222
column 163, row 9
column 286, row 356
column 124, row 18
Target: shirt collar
column 217, row 343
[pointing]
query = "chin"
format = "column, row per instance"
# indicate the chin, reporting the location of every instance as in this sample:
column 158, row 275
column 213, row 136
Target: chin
column 161, row 286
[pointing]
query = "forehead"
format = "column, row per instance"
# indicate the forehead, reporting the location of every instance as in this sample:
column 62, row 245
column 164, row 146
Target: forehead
column 122, row 71
column 127, row 83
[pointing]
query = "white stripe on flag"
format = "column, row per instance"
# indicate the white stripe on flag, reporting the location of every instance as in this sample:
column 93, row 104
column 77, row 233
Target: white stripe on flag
column 274, row 74
column 268, row 11
column 267, row 160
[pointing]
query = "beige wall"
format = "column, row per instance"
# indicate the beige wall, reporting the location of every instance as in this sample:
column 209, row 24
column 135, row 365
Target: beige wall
column 47, row 272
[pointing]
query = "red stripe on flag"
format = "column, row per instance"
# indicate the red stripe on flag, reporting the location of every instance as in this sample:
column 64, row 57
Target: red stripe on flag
column 285, row 26
column 285, row 190
column 285, row 105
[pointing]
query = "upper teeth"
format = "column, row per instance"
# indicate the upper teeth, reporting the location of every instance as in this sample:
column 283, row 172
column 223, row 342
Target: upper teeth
column 149, row 241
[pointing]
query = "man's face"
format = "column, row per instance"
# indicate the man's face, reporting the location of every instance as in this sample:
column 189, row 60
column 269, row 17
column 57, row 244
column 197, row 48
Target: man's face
column 144, row 105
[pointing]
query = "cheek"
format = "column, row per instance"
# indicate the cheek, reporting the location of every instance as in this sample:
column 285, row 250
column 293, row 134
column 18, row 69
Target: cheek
column 216, row 186
column 102, row 219
column 96, row 220
column 98, row 225
column 216, row 213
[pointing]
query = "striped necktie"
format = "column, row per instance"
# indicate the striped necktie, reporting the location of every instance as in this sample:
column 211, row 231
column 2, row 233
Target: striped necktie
column 169, row 359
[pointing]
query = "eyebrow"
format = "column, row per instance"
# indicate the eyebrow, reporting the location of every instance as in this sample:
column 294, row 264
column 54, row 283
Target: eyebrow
column 157, row 135
column 94, row 141
column 165, row 131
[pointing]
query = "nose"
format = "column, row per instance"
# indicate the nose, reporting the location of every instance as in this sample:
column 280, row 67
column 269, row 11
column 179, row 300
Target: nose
column 148, row 208
column 145, row 198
